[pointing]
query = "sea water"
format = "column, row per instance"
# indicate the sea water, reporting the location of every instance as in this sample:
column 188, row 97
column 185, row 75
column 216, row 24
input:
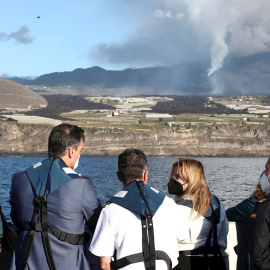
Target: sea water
column 230, row 179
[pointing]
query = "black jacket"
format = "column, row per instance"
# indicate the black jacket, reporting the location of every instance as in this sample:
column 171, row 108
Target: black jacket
column 259, row 245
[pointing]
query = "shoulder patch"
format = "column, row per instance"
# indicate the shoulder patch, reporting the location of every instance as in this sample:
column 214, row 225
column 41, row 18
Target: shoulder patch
column 253, row 215
column 154, row 190
column 121, row 194
column 37, row 165
column 68, row 170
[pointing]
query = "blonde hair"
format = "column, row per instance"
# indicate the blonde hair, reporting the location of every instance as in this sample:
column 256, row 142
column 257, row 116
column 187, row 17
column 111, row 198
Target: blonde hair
column 191, row 171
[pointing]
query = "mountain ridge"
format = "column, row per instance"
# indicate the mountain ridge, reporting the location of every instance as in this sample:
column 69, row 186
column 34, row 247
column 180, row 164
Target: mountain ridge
column 15, row 95
column 245, row 75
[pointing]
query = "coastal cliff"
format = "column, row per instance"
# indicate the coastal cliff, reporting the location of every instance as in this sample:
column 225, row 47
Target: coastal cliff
column 208, row 140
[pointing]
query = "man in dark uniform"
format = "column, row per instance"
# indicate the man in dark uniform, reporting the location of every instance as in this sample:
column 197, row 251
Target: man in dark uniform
column 50, row 205
column 260, row 226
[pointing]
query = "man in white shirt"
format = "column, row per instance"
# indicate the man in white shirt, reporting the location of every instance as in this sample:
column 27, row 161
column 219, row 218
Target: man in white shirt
column 138, row 228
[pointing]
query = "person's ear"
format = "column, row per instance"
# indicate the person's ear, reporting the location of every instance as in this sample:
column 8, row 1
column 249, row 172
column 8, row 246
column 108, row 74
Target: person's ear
column 70, row 152
column 145, row 174
column 119, row 177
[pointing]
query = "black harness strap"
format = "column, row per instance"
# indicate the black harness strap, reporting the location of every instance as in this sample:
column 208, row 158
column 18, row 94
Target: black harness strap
column 40, row 206
column 36, row 226
column 148, row 239
column 28, row 248
column 73, row 239
column 125, row 261
column 151, row 243
column 145, row 246
column 139, row 257
column 45, row 236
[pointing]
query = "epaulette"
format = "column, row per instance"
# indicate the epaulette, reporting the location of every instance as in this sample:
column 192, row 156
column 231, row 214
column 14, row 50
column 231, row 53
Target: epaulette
column 107, row 203
column 262, row 200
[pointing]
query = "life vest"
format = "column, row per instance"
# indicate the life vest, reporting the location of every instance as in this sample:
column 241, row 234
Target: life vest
column 142, row 200
column 213, row 215
column 46, row 177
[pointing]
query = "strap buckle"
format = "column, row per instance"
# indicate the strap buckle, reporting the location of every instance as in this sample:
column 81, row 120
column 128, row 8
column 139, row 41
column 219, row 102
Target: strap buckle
column 63, row 236
column 37, row 227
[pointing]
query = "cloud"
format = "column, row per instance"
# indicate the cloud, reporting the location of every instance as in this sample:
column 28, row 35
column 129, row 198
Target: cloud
column 180, row 31
column 20, row 36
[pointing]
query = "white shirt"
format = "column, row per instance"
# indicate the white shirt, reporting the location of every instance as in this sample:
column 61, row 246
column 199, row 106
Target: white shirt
column 120, row 229
column 200, row 228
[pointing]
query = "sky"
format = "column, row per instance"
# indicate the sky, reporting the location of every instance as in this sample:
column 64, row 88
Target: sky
column 41, row 37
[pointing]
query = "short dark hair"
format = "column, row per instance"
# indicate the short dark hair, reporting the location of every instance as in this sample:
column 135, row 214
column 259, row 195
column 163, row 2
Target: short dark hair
column 131, row 164
column 62, row 137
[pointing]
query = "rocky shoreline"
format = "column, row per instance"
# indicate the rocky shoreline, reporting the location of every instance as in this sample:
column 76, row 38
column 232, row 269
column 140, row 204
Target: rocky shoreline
column 217, row 140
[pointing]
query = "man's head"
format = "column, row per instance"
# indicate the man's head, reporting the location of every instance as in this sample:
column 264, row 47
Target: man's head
column 66, row 141
column 132, row 165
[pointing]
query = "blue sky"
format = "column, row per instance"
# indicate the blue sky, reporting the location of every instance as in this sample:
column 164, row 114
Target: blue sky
column 62, row 38
column 119, row 34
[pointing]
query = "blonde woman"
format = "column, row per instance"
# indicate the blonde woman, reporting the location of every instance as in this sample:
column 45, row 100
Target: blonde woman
column 205, row 215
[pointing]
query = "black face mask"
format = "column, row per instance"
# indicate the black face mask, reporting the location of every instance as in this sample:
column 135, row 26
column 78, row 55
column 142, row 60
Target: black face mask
column 175, row 187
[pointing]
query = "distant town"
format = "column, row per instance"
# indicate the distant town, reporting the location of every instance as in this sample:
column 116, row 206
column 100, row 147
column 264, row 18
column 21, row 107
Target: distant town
column 137, row 112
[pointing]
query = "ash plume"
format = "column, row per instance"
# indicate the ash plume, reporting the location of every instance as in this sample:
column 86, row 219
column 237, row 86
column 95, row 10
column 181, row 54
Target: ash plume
column 184, row 31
